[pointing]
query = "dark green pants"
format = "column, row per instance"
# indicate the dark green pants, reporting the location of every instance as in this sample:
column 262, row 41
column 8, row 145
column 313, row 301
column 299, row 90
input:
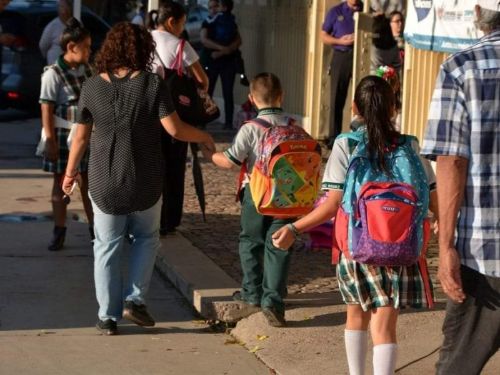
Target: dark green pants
column 265, row 268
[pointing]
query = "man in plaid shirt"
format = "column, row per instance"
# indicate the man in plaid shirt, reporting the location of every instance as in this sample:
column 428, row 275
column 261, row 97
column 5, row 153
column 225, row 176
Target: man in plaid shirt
column 463, row 134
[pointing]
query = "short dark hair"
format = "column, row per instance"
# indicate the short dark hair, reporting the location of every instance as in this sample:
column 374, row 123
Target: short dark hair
column 126, row 46
column 166, row 10
column 74, row 32
column 266, row 87
column 229, row 4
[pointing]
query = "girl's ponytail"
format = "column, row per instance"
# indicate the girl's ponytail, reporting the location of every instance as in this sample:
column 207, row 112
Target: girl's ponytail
column 375, row 101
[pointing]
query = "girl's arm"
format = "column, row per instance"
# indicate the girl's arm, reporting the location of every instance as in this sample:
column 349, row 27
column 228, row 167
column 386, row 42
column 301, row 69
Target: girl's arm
column 284, row 237
column 51, row 148
column 199, row 75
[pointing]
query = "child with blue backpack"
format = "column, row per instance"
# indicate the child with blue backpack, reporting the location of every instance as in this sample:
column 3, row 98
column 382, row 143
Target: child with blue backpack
column 379, row 190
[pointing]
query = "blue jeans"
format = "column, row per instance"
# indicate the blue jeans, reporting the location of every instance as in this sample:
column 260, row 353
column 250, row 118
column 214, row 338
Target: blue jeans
column 110, row 230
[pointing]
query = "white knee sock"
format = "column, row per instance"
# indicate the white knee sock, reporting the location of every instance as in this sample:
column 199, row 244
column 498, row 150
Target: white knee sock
column 384, row 359
column 356, row 343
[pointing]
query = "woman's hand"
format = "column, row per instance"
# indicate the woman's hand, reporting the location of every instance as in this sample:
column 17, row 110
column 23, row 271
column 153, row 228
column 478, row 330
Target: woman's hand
column 51, row 150
column 283, row 238
column 209, row 144
column 70, row 181
column 207, row 152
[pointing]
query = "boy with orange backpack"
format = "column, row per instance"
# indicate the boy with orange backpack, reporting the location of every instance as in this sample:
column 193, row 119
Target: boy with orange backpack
column 279, row 181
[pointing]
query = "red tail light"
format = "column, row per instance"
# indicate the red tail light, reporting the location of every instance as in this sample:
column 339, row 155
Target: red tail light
column 12, row 95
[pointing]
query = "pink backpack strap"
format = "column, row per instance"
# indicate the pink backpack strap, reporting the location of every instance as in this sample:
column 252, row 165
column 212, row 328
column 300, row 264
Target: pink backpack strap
column 178, row 65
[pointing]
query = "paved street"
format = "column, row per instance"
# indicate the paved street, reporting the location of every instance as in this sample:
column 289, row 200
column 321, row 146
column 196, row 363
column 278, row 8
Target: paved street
column 47, row 304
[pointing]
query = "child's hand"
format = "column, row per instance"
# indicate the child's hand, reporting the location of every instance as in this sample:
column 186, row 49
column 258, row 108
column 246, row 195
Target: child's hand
column 207, row 151
column 283, row 238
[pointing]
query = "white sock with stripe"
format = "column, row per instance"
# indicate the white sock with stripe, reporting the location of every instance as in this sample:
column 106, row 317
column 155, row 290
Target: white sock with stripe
column 384, row 359
column 356, row 345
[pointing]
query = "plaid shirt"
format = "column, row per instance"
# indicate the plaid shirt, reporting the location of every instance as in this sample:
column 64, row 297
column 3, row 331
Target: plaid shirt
column 73, row 84
column 464, row 120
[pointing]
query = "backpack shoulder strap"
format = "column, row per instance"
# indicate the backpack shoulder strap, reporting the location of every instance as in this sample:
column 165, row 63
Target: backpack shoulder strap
column 356, row 136
column 259, row 122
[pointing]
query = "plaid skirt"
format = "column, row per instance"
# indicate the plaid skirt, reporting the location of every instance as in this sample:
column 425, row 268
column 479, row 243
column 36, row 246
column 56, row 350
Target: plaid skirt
column 60, row 165
column 373, row 286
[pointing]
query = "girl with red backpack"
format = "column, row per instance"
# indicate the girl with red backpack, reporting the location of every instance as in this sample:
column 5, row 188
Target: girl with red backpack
column 373, row 293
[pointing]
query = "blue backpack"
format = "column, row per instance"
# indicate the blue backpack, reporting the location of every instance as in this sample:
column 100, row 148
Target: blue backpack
column 382, row 220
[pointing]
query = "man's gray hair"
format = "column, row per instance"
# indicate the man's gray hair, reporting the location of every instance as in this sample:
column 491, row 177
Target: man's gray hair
column 488, row 20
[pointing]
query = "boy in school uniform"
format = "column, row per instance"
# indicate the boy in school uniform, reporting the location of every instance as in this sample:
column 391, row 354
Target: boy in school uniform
column 264, row 266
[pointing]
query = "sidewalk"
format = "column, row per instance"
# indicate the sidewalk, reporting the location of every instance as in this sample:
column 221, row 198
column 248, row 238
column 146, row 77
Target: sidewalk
column 202, row 261
column 47, row 300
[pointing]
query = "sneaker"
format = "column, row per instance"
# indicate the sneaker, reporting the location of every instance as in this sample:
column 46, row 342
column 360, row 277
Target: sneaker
column 274, row 318
column 239, row 298
column 137, row 314
column 92, row 234
column 107, row 327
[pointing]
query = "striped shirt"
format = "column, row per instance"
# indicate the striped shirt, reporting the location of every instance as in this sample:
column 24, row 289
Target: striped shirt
column 464, row 120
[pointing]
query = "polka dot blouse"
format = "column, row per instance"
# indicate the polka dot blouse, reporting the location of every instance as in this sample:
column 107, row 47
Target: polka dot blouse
column 125, row 167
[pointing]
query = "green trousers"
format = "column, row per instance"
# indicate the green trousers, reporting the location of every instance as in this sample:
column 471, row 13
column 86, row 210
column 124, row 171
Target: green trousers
column 265, row 268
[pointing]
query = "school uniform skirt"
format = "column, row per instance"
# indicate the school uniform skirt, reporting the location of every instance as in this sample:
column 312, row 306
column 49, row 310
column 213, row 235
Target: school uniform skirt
column 373, row 286
column 60, row 165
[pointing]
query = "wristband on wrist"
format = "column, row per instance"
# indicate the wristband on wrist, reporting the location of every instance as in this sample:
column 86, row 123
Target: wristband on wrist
column 293, row 229
column 72, row 176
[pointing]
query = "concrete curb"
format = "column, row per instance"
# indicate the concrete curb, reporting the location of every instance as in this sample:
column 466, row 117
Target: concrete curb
column 204, row 284
column 208, row 288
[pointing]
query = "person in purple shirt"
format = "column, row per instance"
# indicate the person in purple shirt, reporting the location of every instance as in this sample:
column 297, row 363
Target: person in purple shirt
column 338, row 32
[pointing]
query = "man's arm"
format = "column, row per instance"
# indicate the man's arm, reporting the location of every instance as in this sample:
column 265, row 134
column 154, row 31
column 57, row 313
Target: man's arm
column 44, row 43
column 346, row 40
column 451, row 180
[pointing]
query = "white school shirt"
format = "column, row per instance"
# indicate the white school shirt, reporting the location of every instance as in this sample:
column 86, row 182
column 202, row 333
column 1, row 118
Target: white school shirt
column 166, row 48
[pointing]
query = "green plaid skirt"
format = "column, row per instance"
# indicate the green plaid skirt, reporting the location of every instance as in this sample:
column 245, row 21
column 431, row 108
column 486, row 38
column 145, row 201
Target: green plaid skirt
column 372, row 286
column 60, row 165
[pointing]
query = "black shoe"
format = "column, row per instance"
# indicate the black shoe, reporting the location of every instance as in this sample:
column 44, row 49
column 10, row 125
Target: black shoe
column 274, row 318
column 129, row 238
column 58, row 237
column 92, row 234
column 137, row 314
column 244, row 80
column 107, row 327
column 239, row 298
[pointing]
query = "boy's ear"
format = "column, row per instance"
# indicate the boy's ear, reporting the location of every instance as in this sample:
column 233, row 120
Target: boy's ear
column 282, row 97
column 250, row 98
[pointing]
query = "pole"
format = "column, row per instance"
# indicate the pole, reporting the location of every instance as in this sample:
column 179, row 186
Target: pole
column 77, row 9
column 153, row 4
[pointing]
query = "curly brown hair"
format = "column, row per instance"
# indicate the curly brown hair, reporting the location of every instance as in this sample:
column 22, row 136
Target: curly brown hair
column 126, row 46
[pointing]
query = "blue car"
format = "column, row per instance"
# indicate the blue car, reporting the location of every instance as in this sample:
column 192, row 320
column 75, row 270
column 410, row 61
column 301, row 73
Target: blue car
column 22, row 64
